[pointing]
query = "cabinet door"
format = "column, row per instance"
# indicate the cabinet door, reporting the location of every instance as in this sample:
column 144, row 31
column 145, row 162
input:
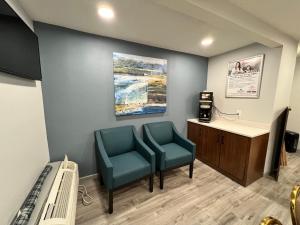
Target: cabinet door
column 193, row 131
column 233, row 154
column 194, row 134
column 210, row 146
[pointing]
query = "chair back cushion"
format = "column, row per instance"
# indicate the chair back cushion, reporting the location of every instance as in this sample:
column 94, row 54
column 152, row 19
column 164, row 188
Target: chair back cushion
column 161, row 132
column 118, row 140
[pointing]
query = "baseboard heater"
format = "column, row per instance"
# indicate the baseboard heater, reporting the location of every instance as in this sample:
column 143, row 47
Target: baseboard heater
column 60, row 207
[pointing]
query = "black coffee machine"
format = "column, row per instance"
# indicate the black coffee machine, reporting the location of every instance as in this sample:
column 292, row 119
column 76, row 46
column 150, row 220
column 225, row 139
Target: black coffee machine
column 206, row 101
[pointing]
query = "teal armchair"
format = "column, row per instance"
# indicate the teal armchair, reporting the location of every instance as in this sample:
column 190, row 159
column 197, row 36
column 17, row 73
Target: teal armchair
column 122, row 157
column 171, row 149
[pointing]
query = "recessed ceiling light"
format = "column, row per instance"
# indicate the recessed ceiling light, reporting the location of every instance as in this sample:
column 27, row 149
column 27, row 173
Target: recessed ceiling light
column 106, row 12
column 207, row 41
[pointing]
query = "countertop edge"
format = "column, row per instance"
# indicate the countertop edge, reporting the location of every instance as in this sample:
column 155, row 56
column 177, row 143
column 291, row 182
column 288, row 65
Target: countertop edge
column 263, row 132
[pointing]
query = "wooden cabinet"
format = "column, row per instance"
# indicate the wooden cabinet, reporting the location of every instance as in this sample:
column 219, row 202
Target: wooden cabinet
column 239, row 157
column 194, row 132
column 209, row 146
column 233, row 155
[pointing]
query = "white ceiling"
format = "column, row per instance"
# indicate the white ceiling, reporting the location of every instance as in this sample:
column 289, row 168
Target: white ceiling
column 281, row 14
column 141, row 21
column 173, row 24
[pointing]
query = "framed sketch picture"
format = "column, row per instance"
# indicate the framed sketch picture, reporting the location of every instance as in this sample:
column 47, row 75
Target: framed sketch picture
column 244, row 77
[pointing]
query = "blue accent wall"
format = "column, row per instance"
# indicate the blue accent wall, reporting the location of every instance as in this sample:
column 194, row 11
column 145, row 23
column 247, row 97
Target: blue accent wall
column 78, row 89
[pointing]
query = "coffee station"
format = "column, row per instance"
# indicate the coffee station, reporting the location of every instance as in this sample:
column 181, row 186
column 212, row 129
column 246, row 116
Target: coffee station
column 206, row 101
column 236, row 148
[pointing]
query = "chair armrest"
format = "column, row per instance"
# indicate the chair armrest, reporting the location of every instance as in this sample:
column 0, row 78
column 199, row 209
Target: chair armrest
column 159, row 151
column 145, row 151
column 184, row 142
column 106, row 166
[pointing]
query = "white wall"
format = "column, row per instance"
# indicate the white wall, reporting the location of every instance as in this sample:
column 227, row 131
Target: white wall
column 222, row 12
column 285, row 76
column 283, row 92
column 275, row 88
column 23, row 144
column 294, row 116
column 259, row 110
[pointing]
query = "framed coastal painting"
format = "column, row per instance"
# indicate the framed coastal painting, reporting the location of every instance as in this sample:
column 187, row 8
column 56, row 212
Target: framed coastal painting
column 140, row 84
column 244, row 77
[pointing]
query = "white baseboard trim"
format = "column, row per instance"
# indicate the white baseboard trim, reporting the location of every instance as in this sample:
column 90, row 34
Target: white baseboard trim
column 88, row 177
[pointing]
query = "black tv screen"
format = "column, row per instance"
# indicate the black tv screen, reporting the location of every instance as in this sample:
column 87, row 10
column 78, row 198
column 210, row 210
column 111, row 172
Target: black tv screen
column 19, row 49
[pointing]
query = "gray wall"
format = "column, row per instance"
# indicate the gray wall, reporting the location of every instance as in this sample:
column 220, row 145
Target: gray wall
column 79, row 94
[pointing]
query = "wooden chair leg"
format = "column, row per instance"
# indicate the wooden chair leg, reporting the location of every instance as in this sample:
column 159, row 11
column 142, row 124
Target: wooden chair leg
column 110, row 201
column 161, row 180
column 191, row 169
column 151, row 183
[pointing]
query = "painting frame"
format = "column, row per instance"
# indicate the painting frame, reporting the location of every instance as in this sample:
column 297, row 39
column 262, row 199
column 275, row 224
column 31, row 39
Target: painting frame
column 246, row 83
column 140, row 84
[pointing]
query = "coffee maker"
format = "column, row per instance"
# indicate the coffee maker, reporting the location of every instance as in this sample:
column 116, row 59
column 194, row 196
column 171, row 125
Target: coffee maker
column 206, row 100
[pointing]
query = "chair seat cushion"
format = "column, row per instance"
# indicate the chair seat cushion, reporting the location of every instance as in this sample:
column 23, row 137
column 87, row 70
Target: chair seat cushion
column 176, row 155
column 129, row 167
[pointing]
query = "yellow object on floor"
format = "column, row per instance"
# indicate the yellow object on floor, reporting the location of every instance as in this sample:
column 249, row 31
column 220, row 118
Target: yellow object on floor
column 294, row 207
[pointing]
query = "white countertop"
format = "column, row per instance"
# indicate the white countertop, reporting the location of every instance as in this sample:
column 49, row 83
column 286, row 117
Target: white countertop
column 241, row 127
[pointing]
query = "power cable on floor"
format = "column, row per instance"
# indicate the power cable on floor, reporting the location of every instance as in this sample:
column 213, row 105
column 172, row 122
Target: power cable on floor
column 86, row 198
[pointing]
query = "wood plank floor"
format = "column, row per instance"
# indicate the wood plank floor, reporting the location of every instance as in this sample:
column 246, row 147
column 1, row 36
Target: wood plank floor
column 209, row 199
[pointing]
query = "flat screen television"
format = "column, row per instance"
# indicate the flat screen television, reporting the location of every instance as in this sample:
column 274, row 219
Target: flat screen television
column 19, row 49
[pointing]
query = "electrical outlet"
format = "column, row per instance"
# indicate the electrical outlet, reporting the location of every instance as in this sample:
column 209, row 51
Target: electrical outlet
column 239, row 112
